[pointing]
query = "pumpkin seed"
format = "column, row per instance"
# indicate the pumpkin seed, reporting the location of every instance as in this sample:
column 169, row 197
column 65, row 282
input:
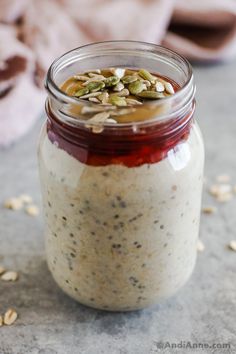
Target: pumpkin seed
column 111, row 81
column 117, row 101
column 82, row 92
column 147, row 75
column 95, row 86
column 136, row 87
column 151, row 94
column 128, row 79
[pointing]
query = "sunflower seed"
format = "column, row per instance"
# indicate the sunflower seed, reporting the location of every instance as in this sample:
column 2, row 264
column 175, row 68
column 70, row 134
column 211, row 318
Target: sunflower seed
column 122, row 93
column 128, row 79
column 146, row 82
column 92, row 94
column 97, row 129
column 81, row 77
column 100, row 77
column 96, row 71
column 111, row 81
column 99, row 117
column 200, row 246
column 82, row 92
column 89, row 110
column 169, row 88
column 93, row 99
column 95, row 86
column 151, row 94
column 232, row 245
column 2, row 270
column 124, row 111
column 104, row 97
column 107, row 104
column 159, row 87
column 111, row 120
column 10, row 317
column 92, row 79
column 119, row 72
column 147, row 75
column 118, row 101
column 118, row 87
column 132, row 101
column 136, row 87
column 9, row 276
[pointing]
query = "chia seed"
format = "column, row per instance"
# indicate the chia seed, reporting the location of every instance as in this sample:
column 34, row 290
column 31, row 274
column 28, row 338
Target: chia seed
column 105, row 174
column 116, row 245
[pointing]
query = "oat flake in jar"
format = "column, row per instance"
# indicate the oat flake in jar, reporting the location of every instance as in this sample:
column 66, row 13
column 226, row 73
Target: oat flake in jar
column 121, row 168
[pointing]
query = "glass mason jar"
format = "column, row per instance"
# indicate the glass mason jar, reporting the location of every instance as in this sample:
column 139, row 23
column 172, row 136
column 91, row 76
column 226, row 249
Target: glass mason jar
column 122, row 205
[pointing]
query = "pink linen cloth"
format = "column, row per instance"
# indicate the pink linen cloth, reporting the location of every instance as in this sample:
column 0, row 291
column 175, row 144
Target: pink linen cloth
column 33, row 33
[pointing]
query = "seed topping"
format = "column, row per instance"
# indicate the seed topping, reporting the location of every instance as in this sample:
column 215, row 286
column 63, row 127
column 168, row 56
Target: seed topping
column 111, row 88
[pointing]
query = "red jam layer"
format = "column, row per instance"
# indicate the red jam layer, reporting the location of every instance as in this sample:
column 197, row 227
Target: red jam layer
column 129, row 149
column 148, row 145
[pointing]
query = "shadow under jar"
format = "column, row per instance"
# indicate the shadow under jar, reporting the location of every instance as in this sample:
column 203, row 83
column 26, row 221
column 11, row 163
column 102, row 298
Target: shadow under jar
column 122, row 206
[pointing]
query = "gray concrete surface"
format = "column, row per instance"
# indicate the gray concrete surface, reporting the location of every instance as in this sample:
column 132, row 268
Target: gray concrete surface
column 204, row 311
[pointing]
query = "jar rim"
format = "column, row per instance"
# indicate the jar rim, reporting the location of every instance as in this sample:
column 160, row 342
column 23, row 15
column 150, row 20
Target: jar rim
column 184, row 96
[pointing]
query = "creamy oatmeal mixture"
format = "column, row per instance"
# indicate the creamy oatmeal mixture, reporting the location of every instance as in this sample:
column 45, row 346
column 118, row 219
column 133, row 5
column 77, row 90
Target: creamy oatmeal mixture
column 121, row 238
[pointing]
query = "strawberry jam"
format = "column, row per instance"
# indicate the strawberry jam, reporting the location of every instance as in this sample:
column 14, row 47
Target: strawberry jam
column 119, row 145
